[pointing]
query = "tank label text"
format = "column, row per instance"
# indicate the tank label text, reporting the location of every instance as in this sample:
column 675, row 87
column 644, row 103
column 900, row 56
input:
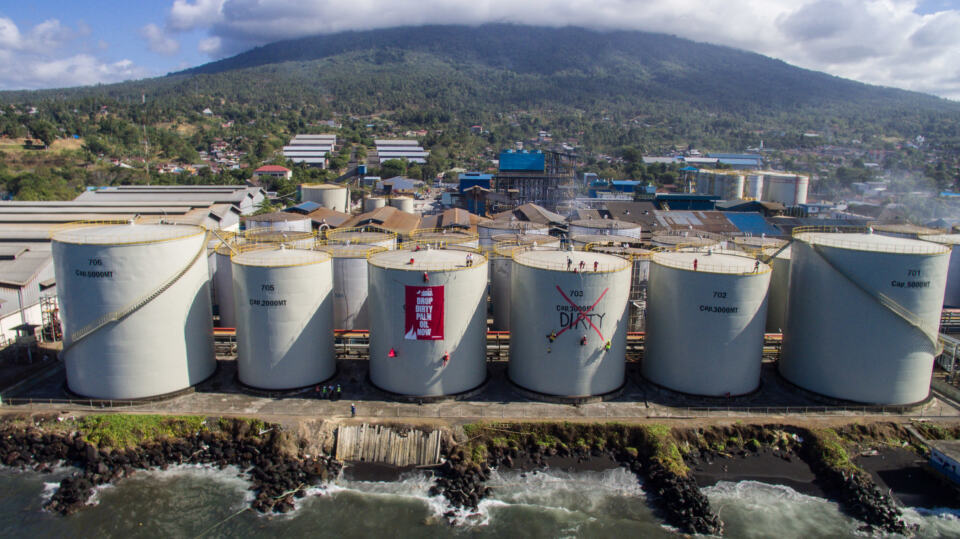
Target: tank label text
column 910, row 284
column 719, row 309
column 268, row 302
column 94, row 274
column 424, row 313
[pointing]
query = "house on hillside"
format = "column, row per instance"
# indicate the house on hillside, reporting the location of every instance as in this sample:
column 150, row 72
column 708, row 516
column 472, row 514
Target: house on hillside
column 272, row 171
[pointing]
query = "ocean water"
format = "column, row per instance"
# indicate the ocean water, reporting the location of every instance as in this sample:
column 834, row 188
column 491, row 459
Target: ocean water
column 192, row 501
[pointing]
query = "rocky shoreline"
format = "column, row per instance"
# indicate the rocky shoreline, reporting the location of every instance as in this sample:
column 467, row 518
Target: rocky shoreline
column 277, row 475
column 671, row 464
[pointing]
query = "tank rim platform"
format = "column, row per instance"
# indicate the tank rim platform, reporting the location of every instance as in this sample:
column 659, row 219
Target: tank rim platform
column 560, row 399
column 430, row 399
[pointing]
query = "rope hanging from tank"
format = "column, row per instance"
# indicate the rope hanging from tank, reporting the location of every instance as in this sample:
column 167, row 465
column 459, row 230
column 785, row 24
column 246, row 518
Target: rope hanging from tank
column 116, row 316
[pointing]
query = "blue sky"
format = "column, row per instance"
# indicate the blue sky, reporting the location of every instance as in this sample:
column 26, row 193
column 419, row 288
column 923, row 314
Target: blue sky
column 911, row 44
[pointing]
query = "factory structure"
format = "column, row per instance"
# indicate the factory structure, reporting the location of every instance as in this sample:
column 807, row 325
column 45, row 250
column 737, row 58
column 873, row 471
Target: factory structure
column 136, row 279
column 311, row 150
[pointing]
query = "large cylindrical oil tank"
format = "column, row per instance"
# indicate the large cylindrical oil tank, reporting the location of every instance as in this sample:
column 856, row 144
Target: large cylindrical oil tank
column 279, row 222
column 778, row 296
column 501, row 271
column 903, row 230
column 331, row 196
column 288, row 238
column 606, row 227
column 705, row 322
column 562, row 321
column 639, row 279
column 350, row 284
column 674, row 241
column 787, row 189
column 428, row 321
column 355, row 236
column 863, row 316
column 154, row 277
column 755, row 244
column 951, row 297
column 373, row 203
column 442, row 237
column 753, row 187
column 488, row 229
column 223, row 287
column 404, row 204
column 527, row 240
column 284, row 317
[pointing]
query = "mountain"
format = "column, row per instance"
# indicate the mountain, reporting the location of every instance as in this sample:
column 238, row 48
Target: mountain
column 638, row 64
column 649, row 88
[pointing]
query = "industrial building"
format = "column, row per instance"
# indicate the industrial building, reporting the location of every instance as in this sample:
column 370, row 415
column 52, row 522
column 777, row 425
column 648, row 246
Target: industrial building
column 406, row 150
column 542, row 178
column 310, row 150
column 245, row 199
column 26, row 272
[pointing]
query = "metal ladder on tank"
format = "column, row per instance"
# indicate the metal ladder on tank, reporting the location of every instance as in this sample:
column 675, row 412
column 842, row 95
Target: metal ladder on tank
column 116, row 316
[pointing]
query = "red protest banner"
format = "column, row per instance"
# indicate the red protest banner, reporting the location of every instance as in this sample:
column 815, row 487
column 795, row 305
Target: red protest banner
column 424, row 313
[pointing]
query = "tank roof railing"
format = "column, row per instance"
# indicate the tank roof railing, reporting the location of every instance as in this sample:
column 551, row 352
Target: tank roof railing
column 446, row 265
column 706, row 265
column 595, row 247
column 575, row 266
column 368, row 228
column 913, row 247
column 96, row 222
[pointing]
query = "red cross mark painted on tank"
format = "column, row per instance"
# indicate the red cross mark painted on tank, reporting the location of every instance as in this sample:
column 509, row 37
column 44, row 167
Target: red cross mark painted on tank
column 582, row 312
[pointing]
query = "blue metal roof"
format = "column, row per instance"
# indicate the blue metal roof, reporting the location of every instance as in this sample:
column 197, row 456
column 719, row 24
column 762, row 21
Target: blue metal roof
column 306, row 206
column 522, row 161
column 739, row 162
column 474, row 176
column 751, row 223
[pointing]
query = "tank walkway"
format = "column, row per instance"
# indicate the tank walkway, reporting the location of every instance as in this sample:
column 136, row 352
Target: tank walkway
column 640, row 400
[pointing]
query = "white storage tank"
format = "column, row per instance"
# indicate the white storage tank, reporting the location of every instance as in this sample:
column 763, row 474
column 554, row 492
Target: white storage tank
column 373, row 203
column 428, row 321
column 678, row 241
column 329, row 195
column 753, row 188
column 562, row 320
column 279, row 221
column 404, row 204
column 863, row 316
column 223, row 286
column 787, row 189
column 284, row 317
column 951, row 298
column 359, row 236
column 583, row 241
column 350, row 284
column 488, row 229
column 605, row 227
column 288, row 238
column 778, row 297
column 528, row 240
column 443, row 237
column 154, row 278
column 756, row 244
column 639, row 279
column 705, row 322
column 723, row 184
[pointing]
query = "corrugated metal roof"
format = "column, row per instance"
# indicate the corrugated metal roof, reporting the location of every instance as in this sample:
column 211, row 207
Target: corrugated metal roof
column 19, row 271
column 326, row 216
column 387, row 218
column 752, row 224
column 707, row 221
column 640, row 212
column 510, row 161
column 304, row 207
column 275, row 217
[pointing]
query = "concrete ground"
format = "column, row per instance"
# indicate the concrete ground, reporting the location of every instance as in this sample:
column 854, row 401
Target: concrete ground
column 640, row 400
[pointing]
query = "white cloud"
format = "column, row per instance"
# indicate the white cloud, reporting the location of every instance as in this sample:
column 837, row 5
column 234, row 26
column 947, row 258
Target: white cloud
column 210, row 46
column 158, row 41
column 186, row 15
column 31, row 59
column 877, row 41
